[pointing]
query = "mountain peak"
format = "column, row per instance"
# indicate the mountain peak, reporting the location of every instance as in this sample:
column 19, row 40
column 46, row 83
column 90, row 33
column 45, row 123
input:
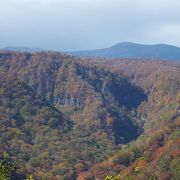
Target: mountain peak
column 135, row 50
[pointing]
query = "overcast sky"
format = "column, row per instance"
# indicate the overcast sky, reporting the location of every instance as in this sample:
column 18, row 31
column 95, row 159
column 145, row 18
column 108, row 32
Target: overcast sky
column 88, row 24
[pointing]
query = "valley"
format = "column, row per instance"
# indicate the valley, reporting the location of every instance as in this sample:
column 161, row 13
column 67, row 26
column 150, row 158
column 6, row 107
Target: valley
column 66, row 117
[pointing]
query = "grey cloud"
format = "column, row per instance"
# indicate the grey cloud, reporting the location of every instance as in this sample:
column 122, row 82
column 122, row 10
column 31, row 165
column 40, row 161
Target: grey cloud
column 88, row 24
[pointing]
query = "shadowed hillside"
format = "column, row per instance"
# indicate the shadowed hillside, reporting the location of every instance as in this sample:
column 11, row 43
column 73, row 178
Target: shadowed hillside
column 100, row 104
column 158, row 146
column 64, row 117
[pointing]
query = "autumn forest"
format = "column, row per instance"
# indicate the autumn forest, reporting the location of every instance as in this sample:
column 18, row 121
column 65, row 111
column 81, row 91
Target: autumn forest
column 66, row 117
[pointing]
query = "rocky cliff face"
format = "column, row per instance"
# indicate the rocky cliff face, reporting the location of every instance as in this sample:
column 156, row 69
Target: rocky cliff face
column 101, row 104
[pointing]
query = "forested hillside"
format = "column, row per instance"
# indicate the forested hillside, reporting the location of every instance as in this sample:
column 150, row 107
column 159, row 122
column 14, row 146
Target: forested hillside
column 64, row 117
column 155, row 154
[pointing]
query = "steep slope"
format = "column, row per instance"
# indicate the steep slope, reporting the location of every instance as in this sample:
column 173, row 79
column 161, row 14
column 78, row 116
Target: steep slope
column 108, row 103
column 159, row 145
column 98, row 102
column 132, row 50
column 28, row 125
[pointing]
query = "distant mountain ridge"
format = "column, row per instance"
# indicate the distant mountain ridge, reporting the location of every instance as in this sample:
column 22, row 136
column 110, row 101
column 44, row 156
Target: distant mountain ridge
column 23, row 49
column 121, row 50
column 133, row 50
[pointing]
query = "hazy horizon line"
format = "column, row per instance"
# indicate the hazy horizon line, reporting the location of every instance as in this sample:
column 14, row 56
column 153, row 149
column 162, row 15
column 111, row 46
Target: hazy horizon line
column 63, row 50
